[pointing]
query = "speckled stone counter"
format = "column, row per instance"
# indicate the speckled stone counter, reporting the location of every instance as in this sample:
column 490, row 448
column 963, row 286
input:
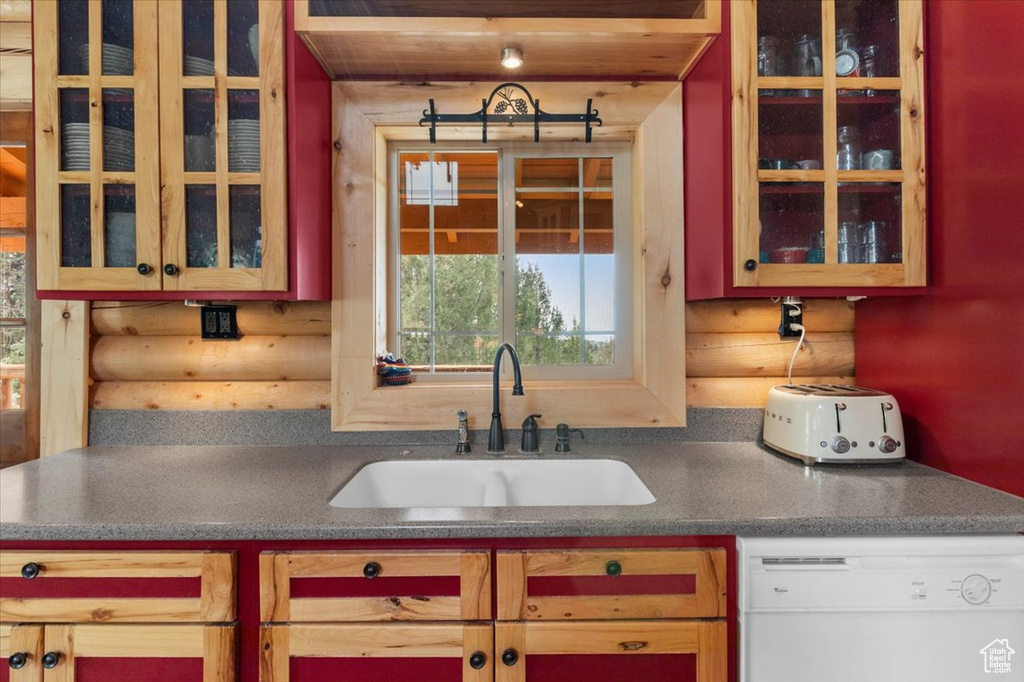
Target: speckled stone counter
column 241, row 492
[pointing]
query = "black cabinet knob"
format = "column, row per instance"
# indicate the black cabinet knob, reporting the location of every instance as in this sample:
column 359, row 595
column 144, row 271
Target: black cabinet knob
column 750, row 265
column 170, row 269
column 509, row 657
column 17, row 660
column 371, row 570
column 613, row 568
column 51, row 659
column 30, row 570
column 144, row 268
column 478, row 660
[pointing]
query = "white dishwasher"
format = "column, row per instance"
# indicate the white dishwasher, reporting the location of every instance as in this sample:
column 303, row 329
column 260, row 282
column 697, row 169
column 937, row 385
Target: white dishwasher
column 892, row 609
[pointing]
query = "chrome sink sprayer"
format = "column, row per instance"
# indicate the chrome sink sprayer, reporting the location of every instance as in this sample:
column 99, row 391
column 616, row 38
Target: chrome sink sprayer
column 496, row 439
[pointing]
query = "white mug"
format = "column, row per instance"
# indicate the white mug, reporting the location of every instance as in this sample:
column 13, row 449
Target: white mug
column 878, row 159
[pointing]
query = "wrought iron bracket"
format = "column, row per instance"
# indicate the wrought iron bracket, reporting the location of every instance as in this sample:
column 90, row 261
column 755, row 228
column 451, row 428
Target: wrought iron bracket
column 503, row 106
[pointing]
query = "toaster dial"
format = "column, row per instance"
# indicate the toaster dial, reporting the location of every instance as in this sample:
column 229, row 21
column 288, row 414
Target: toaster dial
column 840, row 445
column 887, row 444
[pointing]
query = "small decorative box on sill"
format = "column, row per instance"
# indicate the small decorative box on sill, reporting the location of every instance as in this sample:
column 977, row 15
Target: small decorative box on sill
column 393, row 371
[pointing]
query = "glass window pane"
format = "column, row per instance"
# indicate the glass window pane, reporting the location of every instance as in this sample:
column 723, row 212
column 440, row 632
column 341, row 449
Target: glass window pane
column 197, row 37
column 74, row 129
column 547, row 172
column 201, row 225
column 12, row 274
column 792, row 222
column 870, row 222
column 75, row 222
column 244, row 131
column 200, row 141
column 867, row 38
column 246, row 226
column 12, row 356
column 789, row 129
column 243, row 38
column 118, row 129
column 119, row 226
column 73, row 37
column 597, row 172
column 789, row 38
column 868, row 135
column 118, row 37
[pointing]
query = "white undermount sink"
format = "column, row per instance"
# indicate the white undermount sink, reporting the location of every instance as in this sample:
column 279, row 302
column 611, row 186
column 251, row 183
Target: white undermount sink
column 494, row 483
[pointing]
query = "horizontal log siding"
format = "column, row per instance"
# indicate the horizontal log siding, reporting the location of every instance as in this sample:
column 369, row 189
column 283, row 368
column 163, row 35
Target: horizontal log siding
column 150, row 356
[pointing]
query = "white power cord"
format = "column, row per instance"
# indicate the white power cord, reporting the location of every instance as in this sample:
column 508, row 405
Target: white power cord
column 803, row 332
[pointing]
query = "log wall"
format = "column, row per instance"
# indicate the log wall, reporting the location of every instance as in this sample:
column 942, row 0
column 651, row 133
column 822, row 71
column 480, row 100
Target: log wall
column 149, row 356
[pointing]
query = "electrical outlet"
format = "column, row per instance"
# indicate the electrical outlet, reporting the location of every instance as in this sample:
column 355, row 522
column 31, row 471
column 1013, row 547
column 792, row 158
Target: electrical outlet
column 219, row 322
column 791, row 314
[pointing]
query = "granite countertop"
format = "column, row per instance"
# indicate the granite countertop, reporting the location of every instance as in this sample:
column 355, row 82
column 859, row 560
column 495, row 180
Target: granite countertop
column 242, row 492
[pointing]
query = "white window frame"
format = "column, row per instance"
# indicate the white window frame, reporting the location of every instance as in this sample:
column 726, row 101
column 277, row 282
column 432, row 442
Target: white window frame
column 507, row 154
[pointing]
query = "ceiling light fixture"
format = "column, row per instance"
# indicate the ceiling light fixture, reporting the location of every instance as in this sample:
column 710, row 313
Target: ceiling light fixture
column 511, row 57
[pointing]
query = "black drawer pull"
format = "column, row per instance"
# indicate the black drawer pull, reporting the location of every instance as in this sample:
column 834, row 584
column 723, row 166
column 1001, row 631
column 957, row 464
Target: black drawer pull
column 51, row 659
column 509, row 657
column 478, row 660
column 613, row 568
column 371, row 570
column 17, row 660
column 31, row 570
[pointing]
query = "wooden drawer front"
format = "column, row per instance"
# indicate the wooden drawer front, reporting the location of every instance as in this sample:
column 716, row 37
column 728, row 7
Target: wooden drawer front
column 425, row 585
column 301, row 653
column 610, row 643
column 117, row 587
column 649, row 583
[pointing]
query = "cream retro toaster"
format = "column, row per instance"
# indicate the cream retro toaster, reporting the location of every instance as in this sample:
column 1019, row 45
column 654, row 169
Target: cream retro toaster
column 827, row 423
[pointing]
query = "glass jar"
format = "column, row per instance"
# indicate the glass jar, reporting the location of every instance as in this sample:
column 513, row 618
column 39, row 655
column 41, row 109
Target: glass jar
column 768, row 56
column 870, row 64
column 848, row 149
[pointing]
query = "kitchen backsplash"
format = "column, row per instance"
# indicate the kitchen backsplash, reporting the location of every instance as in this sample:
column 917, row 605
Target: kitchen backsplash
column 313, row 427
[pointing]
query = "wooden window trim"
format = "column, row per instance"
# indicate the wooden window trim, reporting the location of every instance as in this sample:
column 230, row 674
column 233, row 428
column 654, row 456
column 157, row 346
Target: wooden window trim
column 655, row 397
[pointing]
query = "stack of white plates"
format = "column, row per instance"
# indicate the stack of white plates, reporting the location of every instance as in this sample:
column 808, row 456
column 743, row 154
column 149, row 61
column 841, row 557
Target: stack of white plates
column 197, row 66
column 243, row 145
column 117, row 60
column 120, row 240
column 74, row 146
column 118, row 149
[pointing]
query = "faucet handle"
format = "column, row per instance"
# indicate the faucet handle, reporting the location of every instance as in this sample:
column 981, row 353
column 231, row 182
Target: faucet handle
column 531, row 421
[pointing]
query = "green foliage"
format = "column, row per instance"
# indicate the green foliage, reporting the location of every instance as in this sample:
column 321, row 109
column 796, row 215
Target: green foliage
column 12, row 305
column 466, row 303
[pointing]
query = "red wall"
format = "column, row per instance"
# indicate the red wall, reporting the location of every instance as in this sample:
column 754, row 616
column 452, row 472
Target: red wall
column 955, row 358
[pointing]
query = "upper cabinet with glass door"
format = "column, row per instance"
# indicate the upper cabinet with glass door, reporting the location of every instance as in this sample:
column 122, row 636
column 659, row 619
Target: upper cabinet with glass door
column 828, row 148
column 160, row 175
column 97, row 140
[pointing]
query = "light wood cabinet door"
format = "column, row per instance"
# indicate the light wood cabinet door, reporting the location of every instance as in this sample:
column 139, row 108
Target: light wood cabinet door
column 21, row 653
column 116, row 587
column 683, row 651
column 828, row 143
column 222, row 145
column 595, row 584
column 369, row 652
column 97, row 653
column 97, row 145
column 413, row 585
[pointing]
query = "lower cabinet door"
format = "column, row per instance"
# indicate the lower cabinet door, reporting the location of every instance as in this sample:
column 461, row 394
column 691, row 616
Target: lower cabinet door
column 377, row 652
column 611, row 651
column 140, row 653
column 21, row 652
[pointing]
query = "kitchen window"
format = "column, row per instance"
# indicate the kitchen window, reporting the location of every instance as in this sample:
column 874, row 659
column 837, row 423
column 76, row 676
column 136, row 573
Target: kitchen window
column 516, row 244
column 641, row 379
